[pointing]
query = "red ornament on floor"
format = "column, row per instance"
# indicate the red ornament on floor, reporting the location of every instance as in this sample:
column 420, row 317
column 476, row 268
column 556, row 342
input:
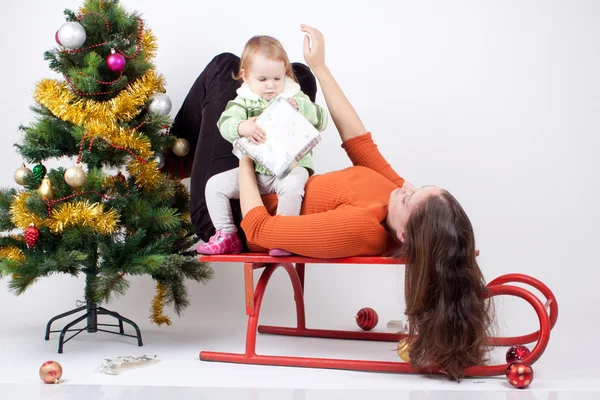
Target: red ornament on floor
column 519, row 374
column 366, row 318
column 31, row 236
column 50, row 372
column 516, row 353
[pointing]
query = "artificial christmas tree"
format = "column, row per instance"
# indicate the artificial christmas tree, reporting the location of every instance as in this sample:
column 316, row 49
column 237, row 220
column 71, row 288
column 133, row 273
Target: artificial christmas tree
column 108, row 115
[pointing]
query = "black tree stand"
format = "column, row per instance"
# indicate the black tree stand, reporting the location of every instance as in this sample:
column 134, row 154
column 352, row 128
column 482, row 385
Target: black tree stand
column 91, row 314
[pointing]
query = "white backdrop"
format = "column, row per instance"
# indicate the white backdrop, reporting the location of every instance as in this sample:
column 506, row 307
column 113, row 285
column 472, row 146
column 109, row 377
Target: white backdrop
column 497, row 101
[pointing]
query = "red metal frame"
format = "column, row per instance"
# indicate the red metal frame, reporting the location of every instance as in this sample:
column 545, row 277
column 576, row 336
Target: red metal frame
column 547, row 314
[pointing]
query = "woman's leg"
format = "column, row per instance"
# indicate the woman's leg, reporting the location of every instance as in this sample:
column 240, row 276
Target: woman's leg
column 197, row 122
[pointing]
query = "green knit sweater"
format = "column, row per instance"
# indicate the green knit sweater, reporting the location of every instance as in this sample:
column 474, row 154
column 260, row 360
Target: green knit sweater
column 249, row 104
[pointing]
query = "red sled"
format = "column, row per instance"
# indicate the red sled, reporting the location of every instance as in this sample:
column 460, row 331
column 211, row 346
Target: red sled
column 547, row 313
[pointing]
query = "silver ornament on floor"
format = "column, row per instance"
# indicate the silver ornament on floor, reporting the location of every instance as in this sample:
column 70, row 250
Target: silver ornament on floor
column 75, row 176
column 21, row 173
column 181, row 147
column 71, row 35
column 160, row 159
column 160, row 104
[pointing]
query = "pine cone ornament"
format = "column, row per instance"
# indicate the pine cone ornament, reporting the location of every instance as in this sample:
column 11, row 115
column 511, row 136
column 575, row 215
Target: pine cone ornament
column 32, row 235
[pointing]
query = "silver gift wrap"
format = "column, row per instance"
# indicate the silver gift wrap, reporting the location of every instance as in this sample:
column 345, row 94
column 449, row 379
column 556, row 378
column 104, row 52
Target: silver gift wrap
column 290, row 136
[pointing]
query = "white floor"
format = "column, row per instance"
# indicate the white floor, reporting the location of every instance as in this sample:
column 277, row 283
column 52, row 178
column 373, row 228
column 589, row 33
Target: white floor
column 180, row 373
column 216, row 321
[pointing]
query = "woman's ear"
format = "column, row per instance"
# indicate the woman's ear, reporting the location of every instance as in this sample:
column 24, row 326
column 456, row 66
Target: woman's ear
column 400, row 235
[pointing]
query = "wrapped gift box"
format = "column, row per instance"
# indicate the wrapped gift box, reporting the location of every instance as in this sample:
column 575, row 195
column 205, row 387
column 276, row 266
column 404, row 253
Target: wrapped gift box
column 290, row 136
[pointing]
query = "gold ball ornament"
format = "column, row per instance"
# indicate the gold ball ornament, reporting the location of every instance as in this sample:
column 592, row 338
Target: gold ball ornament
column 75, row 176
column 21, row 173
column 46, row 189
column 181, row 147
column 403, row 350
column 51, row 372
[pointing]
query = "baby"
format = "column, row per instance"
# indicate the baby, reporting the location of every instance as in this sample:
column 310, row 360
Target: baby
column 266, row 73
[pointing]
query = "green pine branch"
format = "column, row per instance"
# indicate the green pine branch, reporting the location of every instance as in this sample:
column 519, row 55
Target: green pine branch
column 111, row 284
column 6, row 198
column 36, row 265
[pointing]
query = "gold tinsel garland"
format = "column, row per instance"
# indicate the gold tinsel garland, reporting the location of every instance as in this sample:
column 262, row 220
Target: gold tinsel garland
column 80, row 213
column 146, row 173
column 11, row 252
column 68, row 106
column 158, row 304
column 84, row 213
column 127, row 138
column 149, row 44
column 20, row 216
column 100, row 119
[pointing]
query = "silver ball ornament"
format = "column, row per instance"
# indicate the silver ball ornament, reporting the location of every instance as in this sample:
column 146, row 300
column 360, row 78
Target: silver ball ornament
column 75, row 176
column 71, row 35
column 21, row 173
column 160, row 104
column 181, row 147
column 160, row 159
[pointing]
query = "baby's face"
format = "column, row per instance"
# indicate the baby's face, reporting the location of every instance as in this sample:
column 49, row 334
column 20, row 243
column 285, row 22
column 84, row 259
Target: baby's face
column 265, row 76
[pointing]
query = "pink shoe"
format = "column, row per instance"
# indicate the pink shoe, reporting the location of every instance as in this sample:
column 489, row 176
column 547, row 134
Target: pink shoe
column 221, row 243
column 279, row 253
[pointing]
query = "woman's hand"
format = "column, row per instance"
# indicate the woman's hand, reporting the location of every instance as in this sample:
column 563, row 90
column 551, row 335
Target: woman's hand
column 314, row 48
column 252, row 131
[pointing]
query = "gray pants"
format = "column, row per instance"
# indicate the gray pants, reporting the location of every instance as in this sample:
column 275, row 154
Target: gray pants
column 226, row 185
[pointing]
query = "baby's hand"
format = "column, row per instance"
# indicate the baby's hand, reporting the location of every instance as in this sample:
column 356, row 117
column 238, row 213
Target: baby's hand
column 293, row 103
column 250, row 130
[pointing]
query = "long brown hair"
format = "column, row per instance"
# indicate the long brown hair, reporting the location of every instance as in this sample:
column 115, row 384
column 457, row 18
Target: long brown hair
column 270, row 48
column 444, row 289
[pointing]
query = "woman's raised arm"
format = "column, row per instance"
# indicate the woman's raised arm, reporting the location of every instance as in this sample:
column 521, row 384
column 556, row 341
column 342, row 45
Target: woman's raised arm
column 342, row 113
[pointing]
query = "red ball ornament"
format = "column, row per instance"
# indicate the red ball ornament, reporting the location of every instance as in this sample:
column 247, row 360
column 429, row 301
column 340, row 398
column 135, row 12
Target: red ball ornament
column 519, row 374
column 31, row 235
column 50, row 372
column 516, row 353
column 120, row 178
column 115, row 62
column 366, row 318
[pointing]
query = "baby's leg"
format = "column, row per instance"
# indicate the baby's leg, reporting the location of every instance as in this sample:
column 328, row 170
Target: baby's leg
column 290, row 191
column 219, row 189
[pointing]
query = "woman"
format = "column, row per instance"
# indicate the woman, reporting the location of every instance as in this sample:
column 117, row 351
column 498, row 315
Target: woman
column 368, row 209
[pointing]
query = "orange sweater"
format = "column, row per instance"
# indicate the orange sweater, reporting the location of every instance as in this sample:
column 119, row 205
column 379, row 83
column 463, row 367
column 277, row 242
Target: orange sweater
column 341, row 213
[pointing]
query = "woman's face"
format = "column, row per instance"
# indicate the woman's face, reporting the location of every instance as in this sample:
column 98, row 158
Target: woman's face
column 402, row 202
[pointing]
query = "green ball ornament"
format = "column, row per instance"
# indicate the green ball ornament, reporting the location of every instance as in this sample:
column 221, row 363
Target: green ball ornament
column 39, row 171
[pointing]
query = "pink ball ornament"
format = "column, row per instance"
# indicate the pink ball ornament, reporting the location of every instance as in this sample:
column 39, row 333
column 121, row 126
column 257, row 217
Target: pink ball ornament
column 115, row 62
column 56, row 38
